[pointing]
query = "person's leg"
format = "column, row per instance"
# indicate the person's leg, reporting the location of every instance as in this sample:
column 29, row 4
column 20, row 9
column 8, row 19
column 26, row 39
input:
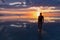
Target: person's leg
column 40, row 31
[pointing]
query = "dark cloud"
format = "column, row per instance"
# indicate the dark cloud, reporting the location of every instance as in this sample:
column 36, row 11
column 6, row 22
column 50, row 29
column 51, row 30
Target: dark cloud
column 1, row 15
column 33, row 2
column 12, row 14
column 46, row 2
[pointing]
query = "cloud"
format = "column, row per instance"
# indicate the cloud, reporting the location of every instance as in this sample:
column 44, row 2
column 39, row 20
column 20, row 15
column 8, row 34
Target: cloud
column 32, row 2
column 52, row 19
column 30, row 13
column 47, row 2
column 14, row 3
column 13, row 14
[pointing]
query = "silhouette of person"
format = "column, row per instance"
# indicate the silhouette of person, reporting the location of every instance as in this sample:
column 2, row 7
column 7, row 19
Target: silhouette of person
column 40, row 22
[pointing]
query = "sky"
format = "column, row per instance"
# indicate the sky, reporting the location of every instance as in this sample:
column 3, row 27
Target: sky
column 29, row 10
column 36, row 2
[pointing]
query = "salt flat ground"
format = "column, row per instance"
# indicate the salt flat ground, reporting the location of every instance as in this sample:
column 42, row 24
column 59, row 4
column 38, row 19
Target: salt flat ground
column 50, row 31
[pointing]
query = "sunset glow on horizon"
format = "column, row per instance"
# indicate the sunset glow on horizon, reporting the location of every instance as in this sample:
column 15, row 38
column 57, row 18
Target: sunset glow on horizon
column 29, row 13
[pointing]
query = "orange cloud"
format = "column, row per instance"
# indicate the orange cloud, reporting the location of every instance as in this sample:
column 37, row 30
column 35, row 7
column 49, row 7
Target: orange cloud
column 31, row 13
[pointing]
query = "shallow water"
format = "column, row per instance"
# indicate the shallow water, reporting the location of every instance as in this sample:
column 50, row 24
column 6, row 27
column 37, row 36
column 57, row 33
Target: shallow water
column 50, row 31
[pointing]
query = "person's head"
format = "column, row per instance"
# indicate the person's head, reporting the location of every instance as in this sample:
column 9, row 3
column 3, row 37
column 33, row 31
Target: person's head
column 40, row 14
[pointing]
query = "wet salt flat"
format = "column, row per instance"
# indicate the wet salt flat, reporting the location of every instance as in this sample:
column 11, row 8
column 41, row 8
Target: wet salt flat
column 51, row 31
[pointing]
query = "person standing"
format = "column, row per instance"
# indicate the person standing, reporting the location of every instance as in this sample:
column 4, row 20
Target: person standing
column 40, row 22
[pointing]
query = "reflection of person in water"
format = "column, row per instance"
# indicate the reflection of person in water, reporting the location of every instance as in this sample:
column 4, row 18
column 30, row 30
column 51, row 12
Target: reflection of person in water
column 40, row 22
